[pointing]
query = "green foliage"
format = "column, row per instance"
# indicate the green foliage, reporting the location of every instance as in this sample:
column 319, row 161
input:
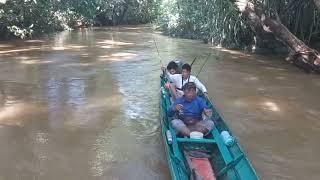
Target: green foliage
column 23, row 18
column 217, row 21
column 125, row 11
column 220, row 21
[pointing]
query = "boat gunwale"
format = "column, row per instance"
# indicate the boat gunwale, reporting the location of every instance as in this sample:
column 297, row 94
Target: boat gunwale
column 220, row 123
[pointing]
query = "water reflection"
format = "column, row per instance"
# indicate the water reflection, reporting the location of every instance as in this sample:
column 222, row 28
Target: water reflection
column 16, row 113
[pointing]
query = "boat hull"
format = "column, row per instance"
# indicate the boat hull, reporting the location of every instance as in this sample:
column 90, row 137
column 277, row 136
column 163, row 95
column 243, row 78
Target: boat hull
column 228, row 162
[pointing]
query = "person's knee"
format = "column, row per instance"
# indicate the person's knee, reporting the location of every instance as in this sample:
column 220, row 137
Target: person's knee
column 205, row 126
column 209, row 125
column 180, row 127
column 177, row 124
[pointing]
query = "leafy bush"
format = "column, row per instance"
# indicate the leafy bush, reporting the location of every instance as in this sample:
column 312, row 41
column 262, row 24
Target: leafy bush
column 23, row 18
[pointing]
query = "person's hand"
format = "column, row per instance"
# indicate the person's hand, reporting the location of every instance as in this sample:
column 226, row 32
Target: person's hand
column 167, row 85
column 179, row 107
column 163, row 68
column 208, row 112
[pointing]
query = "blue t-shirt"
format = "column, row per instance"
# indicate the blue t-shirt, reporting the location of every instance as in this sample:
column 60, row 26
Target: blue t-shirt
column 192, row 109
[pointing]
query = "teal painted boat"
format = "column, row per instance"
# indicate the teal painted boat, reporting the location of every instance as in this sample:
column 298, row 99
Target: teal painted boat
column 227, row 162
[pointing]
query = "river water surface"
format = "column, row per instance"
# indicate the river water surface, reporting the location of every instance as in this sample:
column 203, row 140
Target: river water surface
column 84, row 105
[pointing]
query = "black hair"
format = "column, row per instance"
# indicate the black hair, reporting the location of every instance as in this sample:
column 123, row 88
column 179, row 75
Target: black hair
column 186, row 67
column 189, row 85
column 172, row 65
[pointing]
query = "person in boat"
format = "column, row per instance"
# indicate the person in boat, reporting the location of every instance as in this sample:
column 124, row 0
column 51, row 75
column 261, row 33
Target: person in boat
column 179, row 80
column 172, row 67
column 190, row 107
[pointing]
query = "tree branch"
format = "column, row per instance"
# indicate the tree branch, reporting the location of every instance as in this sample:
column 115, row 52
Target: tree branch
column 317, row 3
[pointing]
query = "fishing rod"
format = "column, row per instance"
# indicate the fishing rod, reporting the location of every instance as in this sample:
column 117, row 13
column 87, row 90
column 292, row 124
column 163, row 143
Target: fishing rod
column 204, row 64
column 155, row 44
column 193, row 61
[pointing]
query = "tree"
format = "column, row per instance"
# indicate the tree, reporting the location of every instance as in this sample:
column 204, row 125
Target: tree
column 291, row 24
column 262, row 20
column 23, row 18
column 317, row 3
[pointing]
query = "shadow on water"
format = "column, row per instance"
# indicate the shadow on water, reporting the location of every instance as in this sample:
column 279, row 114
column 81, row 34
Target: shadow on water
column 84, row 105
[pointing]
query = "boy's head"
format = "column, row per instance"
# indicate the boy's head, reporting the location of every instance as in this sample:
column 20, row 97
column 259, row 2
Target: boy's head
column 186, row 71
column 172, row 67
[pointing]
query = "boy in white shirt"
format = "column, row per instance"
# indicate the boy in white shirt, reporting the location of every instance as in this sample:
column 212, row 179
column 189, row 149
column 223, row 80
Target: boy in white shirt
column 179, row 80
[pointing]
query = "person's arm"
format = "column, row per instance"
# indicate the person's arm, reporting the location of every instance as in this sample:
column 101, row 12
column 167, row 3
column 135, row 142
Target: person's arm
column 171, row 109
column 200, row 86
column 176, row 106
column 166, row 72
column 207, row 111
column 171, row 77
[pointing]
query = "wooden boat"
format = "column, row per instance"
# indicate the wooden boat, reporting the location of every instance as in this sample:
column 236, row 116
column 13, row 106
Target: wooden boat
column 227, row 162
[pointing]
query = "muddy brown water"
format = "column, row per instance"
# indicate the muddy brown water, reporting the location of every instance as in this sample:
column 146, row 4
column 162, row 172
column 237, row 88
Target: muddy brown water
column 84, row 105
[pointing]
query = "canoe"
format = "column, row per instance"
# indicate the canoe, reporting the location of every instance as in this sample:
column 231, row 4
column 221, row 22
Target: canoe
column 227, row 161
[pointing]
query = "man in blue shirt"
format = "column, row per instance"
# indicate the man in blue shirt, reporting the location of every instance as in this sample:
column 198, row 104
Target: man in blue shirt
column 192, row 107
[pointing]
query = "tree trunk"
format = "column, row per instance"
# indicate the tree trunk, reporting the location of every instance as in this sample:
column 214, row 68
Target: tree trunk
column 300, row 54
column 317, row 3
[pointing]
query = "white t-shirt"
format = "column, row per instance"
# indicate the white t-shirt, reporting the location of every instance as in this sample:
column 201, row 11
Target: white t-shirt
column 179, row 82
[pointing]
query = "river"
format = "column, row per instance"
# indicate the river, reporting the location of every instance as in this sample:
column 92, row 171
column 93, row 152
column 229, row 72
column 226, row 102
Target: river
column 84, row 105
